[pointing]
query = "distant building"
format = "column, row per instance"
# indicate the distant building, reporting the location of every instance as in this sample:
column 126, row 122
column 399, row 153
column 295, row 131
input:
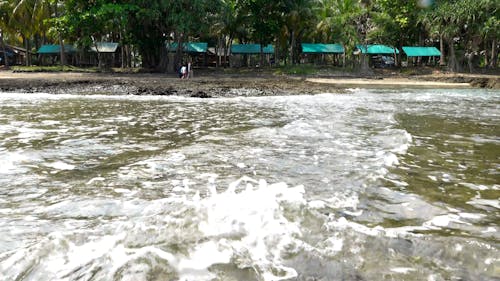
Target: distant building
column 249, row 54
column 15, row 55
column 418, row 55
column 50, row 54
column 381, row 56
column 316, row 53
column 197, row 52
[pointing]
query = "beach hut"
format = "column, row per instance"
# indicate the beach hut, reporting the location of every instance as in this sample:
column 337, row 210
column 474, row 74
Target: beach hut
column 106, row 53
column 218, row 56
column 15, row 55
column 315, row 52
column 380, row 55
column 249, row 54
column 414, row 53
column 197, row 52
column 190, row 47
column 54, row 51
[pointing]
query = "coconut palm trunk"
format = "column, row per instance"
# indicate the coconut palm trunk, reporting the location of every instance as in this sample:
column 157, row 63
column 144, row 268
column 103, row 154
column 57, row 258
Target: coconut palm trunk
column 494, row 54
column 442, row 61
column 6, row 61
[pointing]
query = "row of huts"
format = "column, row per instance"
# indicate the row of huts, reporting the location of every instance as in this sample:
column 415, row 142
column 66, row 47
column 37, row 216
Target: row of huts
column 50, row 54
column 108, row 54
column 249, row 54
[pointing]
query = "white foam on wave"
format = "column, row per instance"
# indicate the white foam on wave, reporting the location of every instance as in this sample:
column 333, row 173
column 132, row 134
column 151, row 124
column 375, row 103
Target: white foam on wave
column 481, row 187
column 254, row 214
column 485, row 202
column 60, row 165
column 245, row 225
column 10, row 162
column 403, row 270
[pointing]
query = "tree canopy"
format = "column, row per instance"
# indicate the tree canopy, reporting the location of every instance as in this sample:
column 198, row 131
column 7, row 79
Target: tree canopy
column 466, row 31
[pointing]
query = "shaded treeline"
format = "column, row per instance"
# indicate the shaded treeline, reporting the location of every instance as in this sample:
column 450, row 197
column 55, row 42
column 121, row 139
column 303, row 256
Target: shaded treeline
column 466, row 31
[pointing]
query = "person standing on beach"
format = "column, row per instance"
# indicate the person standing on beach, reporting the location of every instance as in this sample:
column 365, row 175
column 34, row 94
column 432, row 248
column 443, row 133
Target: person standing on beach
column 183, row 72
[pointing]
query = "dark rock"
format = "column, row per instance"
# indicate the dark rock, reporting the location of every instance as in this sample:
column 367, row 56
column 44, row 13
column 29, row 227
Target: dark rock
column 200, row 94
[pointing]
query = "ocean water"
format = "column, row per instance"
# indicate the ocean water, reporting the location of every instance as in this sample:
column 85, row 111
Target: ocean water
column 366, row 185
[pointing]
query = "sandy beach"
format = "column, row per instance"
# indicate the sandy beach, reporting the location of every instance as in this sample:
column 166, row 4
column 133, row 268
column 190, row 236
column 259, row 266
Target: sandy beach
column 388, row 82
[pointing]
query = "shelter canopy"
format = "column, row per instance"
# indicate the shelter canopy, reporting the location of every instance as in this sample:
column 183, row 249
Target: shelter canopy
column 377, row 49
column 190, row 47
column 309, row 48
column 56, row 49
column 104, row 47
column 421, row 51
column 251, row 49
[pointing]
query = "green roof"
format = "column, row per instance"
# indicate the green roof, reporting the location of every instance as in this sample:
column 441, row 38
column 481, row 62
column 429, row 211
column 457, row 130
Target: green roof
column 56, row 49
column 308, row 48
column 251, row 49
column 377, row 49
column 421, row 51
column 105, row 47
column 190, row 47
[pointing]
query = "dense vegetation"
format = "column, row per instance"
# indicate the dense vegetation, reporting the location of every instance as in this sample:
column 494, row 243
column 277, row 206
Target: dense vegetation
column 466, row 31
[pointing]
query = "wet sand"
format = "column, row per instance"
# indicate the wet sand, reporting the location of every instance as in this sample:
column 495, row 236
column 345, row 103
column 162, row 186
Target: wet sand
column 388, row 82
column 206, row 84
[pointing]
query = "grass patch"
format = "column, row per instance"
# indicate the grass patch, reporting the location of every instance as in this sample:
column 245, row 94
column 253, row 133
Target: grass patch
column 58, row 68
column 303, row 69
column 313, row 70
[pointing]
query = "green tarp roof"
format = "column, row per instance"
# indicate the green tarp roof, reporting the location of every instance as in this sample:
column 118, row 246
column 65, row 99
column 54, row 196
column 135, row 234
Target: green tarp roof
column 421, row 51
column 190, row 47
column 308, row 48
column 251, row 49
column 56, row 49
column 105, row 47
column 377, row 49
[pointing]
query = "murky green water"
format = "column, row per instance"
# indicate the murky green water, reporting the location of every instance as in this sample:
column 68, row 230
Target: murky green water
column 370, row 185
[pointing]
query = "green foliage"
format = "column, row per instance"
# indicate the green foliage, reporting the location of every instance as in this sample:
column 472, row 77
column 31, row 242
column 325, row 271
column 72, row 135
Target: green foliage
column 147, row 26
column 305, row 69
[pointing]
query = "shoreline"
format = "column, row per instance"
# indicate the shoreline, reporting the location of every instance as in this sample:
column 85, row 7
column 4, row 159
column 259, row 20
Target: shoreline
column 391, row 82
column 209, row 84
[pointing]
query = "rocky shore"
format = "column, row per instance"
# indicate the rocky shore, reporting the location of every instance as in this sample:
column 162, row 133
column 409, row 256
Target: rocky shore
column 205, row 85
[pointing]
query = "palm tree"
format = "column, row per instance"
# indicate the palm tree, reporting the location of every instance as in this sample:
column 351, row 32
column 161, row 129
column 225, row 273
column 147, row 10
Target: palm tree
column 229, row 24
column 344, row 20
column 27, row 18
column 4, row 19
column 298, row 18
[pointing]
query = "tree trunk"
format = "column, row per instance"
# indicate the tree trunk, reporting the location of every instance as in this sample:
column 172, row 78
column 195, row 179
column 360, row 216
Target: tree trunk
column 99, row 58
column 364, row 60
column 494, row 54
column 163, row 64
column 25, row 43
column 227, row 51
column 452, row 60
column 292, row 47
column 261, row 61
column 61, row 41
column 276, row 53
column 62, row 52
column 122, row 50
column 129, row 52
column 441, row 49
column 469, row 56
column 5, row 59
column 420, row 43
column 178, row 52
column 486, row 58
column 218, row 61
